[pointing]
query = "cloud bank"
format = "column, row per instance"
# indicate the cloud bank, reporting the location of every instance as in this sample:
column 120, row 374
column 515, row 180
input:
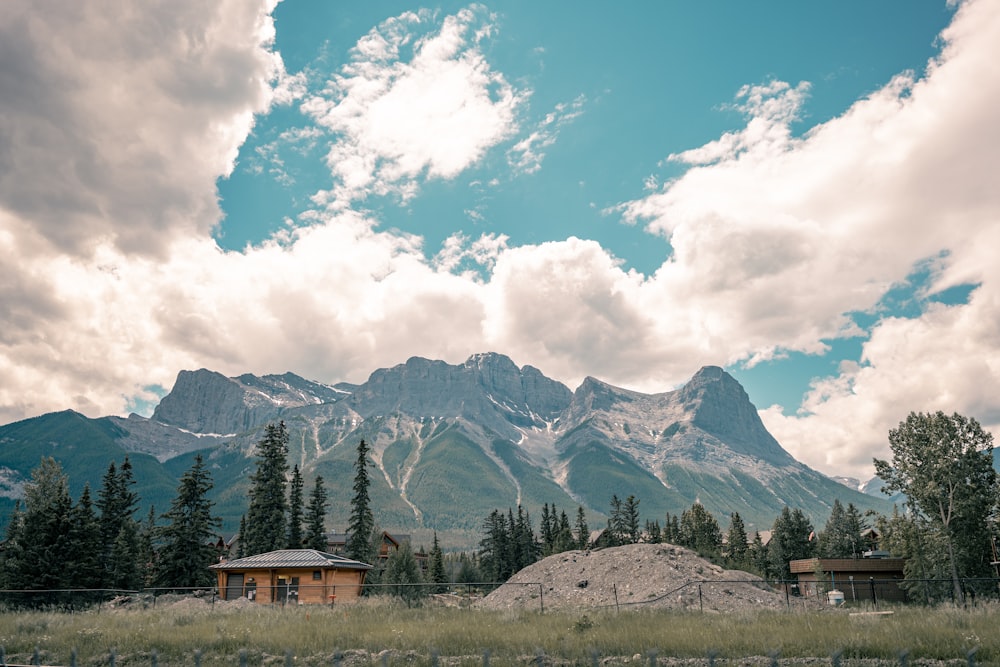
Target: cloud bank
column 112, row 142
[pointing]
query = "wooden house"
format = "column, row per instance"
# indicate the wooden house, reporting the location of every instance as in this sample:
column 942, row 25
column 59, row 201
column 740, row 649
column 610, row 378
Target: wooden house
column 292, row 576
column 857, row 578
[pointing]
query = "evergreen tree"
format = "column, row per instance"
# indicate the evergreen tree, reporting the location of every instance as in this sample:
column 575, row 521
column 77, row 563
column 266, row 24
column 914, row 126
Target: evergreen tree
column 564, row 539
column 402, row 575
column 758, row 555
column 672, row 529
column 630, row 520
column 700, row 531
column 926, row 563
column 361, row 524
column 241, row 542
column 295, row 511
column 83, row 569
column 437, row 573
column 944, row 465
column 736, row 540
column 468, row 572
column 316, row 517
column 117, row 503
column 841, row 536
column 547, row 530
column 147, row 548
column 582, row 530
column 265, row 518
column 654, row 534
column 791, row 539
column 43, row 556
column 615, row 534
column 187, row 548
column 494, row 548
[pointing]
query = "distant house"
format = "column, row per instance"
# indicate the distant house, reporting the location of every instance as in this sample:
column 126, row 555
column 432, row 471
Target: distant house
column 388, row 543
column 856, row 578
column 292, row 576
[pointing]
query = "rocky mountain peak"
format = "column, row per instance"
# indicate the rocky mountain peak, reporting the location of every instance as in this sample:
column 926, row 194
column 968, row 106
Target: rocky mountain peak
column 719, row 406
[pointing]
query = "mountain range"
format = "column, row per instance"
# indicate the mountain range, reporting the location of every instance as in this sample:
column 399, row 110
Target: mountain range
column 450, row 443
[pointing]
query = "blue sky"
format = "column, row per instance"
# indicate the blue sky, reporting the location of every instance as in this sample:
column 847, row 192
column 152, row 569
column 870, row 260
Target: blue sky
column 803, row 193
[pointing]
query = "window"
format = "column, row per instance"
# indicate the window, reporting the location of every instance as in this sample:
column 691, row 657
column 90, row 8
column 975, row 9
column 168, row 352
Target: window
column 317, row 575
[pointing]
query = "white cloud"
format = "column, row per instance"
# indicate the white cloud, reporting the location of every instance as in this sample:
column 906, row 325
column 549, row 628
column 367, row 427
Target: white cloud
column 397, row 121
column 776, row 238
column 526, row 156
column 116, row 117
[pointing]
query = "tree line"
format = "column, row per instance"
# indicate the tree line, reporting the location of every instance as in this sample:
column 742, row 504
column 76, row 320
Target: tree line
column 947, row 529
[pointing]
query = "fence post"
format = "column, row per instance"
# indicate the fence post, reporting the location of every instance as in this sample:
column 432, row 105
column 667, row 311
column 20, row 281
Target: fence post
column 701, row 605
column 541, row 598
column 614, row 588
column 871, row 583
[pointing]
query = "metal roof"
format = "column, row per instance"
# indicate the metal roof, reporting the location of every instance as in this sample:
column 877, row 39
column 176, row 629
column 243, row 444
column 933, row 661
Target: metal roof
column 299, row 558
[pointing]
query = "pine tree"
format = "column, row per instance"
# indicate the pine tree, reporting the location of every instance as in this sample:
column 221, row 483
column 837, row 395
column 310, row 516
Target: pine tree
column 43, row 556
column 494, row 548
column 147, row 548
column 582, row 530
column 361, row 524
column 758, row 555
column 700, row 531
column 316, row 517
column 265, row 518
column 241, row 541
column 654, row 534
column 630, row 520
column 841, row 536
column 547, row 530
column 117, row 503
column 791, row 539
column 187, row 548
column 437, row 573
column 736, row 540
column 83, row 570
column 615, row 534
column 295, row 510
column 402, row 575
column 564, row 540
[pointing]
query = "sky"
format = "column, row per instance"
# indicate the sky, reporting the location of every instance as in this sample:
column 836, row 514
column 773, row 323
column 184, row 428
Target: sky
column 807, row 194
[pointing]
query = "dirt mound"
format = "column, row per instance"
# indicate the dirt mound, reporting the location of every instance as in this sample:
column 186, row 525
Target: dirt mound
column 639, row 576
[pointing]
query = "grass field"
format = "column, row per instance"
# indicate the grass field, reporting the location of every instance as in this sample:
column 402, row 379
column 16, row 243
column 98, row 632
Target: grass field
column 381, row 633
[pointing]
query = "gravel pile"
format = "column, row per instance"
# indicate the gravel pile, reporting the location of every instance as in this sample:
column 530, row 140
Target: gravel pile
column 638, row 576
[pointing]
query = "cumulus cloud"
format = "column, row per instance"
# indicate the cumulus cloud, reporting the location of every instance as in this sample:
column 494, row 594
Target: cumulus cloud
column 779, row 239
column 111, row 281
column 116, row 118
column 397, row 120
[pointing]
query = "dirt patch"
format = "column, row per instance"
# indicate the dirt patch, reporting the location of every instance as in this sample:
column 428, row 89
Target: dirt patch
column 640, row 576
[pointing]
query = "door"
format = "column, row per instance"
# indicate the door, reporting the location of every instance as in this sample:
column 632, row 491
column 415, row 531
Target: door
column 234, row 585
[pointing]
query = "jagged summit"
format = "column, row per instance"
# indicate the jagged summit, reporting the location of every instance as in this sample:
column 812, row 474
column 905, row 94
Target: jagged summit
column 452, row 442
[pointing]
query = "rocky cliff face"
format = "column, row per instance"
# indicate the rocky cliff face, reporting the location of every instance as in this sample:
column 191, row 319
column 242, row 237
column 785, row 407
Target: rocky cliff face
column 451, row 442
column 206, row 402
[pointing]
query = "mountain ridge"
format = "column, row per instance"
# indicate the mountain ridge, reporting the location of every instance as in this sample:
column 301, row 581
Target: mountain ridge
column 451, row 442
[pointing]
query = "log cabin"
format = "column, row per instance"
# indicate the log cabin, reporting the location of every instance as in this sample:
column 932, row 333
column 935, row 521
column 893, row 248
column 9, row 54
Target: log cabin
column 292, row 576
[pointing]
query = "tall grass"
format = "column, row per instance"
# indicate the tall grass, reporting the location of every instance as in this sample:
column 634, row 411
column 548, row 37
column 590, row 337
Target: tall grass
column 313, row 634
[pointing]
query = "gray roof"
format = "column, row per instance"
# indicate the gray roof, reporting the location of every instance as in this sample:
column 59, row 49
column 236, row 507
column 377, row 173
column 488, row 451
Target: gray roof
column 292, row 558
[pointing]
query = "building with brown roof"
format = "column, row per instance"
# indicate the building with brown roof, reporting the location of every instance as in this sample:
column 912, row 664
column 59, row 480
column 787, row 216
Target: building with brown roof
column 292, row 576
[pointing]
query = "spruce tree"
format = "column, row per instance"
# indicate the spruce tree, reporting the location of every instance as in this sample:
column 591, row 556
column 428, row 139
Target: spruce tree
column 791, row 539
column 295, row 510
column 316, row 517
column 403, row 575
column 188, row 548
column 700, row 531
column 437, row 574
column 117, row 503
column 265, row 518
column 582, row 530
column 494, row 548
column 630, row 520
column 361, row 524
column 83, row 570
column 736, row 540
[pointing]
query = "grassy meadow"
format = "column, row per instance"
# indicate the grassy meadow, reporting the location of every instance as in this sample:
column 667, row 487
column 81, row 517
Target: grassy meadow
column 380, row 633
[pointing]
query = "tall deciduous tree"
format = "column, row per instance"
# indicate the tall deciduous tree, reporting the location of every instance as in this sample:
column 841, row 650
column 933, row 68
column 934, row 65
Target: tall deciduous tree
column 944, row 465
column 316, row 516
column 265, row 518
column 361, row 523
column 187, row 546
